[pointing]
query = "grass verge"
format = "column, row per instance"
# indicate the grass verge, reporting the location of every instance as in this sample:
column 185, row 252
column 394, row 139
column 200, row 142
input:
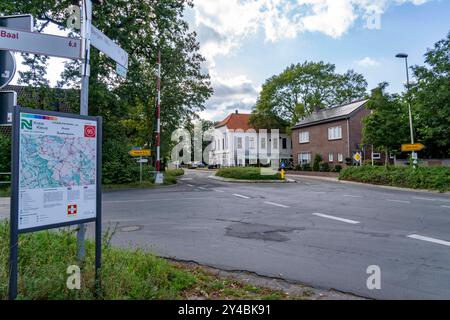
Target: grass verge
column 45, row 256
column 246, row 173
column 436, row 178
column 170, row 178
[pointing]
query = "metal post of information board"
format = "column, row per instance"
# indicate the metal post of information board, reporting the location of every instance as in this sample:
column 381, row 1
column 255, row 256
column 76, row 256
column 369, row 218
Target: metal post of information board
column 14, row 224
column 98, row 221
column 86, row 17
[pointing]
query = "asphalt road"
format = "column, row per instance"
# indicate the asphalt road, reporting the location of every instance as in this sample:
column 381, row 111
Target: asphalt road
column 320, row 233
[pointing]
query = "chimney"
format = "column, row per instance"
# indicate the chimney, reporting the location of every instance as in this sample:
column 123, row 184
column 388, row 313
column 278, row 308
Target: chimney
column 237, row 111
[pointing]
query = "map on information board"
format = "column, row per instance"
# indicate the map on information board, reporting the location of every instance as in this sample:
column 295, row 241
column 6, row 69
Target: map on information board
column 57, row 170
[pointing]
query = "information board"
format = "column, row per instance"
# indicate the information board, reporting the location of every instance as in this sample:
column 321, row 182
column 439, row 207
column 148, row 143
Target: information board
column 57, row 166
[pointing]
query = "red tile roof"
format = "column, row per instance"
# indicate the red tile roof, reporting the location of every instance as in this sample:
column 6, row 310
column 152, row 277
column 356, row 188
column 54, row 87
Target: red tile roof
column 236, row 121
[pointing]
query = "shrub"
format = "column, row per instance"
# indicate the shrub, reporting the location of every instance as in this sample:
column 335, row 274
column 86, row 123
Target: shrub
column 432, row 178
column 337, row 168
column 317, row 161
column 306, row 167
column 324, row 167
column 118, row 166
column 298, row 167
column 246, row 173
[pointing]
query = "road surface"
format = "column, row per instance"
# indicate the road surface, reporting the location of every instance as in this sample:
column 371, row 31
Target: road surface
column 321, row 233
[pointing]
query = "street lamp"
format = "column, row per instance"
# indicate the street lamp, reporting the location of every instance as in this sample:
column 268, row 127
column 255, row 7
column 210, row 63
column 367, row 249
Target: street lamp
column 405, row 56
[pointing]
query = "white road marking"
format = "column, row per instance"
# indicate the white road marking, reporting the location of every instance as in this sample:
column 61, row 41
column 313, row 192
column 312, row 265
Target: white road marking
column 351, row 196
column 152, row 200
column 190, row 185
column 431, row 199
column 423, row 238
column 335, row 218
column 221, row 191
column 185, row 179
column 276, row 204
column 448, row 207
column 202, row 188
column 240, row 196
column 399, row 201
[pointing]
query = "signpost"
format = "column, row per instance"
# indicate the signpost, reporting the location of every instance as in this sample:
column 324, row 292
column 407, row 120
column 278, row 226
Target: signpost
column 412, row 147
column 109, row 47
column 7, row 68
column 22, row 22
column 140, row 153
column 8, row 99
column 68, row 149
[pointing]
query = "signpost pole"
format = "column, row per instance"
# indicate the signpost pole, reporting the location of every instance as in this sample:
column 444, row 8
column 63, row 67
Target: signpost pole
column 140, row 168
column 98, row 221
column 158, row 120
column 14, row 224
column 86, row 16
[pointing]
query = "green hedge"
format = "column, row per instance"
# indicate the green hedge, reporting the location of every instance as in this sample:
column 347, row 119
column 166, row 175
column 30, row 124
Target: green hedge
column 435, row 178
column 247, row 173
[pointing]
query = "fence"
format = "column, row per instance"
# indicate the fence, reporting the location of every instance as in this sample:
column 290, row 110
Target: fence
column 5, row 174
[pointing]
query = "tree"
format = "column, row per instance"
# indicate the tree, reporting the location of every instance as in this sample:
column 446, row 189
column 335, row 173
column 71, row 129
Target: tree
column 430, row 96
column 387, row 127
column 141, row 27
column 302, row 88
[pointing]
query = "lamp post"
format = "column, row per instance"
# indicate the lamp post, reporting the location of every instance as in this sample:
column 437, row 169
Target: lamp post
column 405, row 56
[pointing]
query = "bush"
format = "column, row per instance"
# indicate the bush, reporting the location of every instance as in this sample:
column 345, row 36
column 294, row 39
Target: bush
column 317, row 161
column 432, row 178
column 324, row 167
column 246, row 173
column 337, row 168
column 306, row 167
column 118, row 166
column 298, row 167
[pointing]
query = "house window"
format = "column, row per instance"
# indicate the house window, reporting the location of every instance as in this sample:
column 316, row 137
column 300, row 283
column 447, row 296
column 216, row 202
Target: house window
column 252, row 143
column 275, row 143
column 284, row 141
column 303, row 137
column 340, row 157
column 335, row 133
column 330, row 157
column 239, row 143
column 223, row 144
column 304, row 158
column 263, row 143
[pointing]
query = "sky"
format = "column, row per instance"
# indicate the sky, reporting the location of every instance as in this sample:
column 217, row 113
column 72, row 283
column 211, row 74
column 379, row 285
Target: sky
column 246, row 42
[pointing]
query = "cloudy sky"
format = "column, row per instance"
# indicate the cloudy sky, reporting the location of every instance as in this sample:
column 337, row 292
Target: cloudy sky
column 248, row 41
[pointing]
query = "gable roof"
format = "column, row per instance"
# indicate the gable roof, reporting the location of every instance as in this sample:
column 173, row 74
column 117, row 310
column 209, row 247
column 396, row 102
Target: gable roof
column 332, row 114
column 236, row 121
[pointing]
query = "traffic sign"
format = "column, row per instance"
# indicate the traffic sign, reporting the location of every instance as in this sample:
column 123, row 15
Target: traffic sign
column 8, row 99
column 142, row 161
column 121, row 71
column 7, row 68
column 22, row 22
column 412, row 147
column 357, row 157
column 140, row 153
column 39, row 43
column 109, row 47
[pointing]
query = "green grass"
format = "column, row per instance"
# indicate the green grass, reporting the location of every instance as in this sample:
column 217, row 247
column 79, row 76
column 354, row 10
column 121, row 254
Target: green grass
column 245, row 173
column 430, row 178
column 170, row 177
column 126, row 274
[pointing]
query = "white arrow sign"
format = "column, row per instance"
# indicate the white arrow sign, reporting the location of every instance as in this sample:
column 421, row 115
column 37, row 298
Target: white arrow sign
column 38, row 43
column 109, row 47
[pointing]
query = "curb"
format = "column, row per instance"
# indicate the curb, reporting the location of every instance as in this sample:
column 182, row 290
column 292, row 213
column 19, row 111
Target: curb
column 314, row 177
column 393, row 188
column 251, row 181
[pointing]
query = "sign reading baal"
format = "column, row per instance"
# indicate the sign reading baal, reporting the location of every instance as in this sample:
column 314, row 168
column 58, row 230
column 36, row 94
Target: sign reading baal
column 58, row 160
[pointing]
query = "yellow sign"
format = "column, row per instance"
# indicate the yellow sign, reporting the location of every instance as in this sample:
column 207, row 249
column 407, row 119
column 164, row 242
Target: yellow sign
column 412, row 147
column 357, row 157
column 140, row 153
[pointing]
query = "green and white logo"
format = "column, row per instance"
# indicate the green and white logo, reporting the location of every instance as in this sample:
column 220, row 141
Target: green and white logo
column 26, row 124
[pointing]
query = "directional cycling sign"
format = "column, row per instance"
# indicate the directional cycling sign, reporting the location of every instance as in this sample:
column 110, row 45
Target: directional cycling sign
column 7, row 68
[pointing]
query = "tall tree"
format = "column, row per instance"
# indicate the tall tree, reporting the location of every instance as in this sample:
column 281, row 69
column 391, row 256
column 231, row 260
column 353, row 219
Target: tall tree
column 431, row 100
column 301, row 88
column 387, row 127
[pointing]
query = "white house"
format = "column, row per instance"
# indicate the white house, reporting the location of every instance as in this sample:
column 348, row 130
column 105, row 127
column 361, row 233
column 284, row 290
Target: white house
column 237, row 143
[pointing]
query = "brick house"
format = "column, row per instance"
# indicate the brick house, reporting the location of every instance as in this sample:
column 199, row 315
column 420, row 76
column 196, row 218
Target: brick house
column 334, row 133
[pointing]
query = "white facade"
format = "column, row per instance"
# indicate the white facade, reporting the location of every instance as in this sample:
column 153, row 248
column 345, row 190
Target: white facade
column 232, row 148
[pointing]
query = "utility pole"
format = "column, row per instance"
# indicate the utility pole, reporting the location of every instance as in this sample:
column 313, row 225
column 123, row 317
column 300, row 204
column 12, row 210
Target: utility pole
column 158, row 123
column 86, row 18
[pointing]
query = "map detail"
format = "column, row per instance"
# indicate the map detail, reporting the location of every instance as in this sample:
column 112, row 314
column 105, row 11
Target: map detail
column 56, row 162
